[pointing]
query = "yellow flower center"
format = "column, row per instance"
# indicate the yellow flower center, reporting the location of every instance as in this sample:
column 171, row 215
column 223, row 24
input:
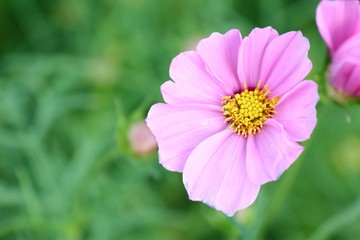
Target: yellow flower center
column 247, row 111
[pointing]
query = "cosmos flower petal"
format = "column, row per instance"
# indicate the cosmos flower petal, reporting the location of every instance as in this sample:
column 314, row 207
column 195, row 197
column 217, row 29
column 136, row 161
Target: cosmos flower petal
column 345, row 67
column 285, row 62
column 175, row 94
column 353, row 84
column 337, row 21
column 192, row 83
column 179, row 129
column 296, row 110
column 215, row 173
column 270, row 153
column 220, row 54
column 251, row 54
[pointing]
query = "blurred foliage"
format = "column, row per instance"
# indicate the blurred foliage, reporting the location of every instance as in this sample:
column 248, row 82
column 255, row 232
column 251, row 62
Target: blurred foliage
column 74, row 75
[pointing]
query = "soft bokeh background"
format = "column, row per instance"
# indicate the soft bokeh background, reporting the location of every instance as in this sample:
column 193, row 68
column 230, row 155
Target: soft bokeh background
column 76, row 74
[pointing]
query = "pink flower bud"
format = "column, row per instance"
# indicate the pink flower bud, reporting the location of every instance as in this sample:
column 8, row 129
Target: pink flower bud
column 142, row 141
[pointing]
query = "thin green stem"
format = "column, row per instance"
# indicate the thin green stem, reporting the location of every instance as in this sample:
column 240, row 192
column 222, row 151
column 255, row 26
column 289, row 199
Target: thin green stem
column 245, row 233
column 285, row 185
column 337, row 222
column 278, row 198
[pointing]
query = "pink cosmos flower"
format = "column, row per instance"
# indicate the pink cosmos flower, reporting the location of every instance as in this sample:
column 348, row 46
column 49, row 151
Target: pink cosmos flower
column 235, row 110
column 339, row 25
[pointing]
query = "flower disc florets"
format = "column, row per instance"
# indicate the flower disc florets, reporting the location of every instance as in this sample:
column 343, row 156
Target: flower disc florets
column 248, row 110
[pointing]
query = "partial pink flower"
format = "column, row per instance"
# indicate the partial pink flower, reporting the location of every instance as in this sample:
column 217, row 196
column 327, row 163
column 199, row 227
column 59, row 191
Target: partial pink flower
column 141, row 139
column 235, row 110
column 339, row 25
column 338, row 21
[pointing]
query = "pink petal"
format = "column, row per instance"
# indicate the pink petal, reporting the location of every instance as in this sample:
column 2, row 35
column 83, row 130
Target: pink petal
column 251, row 54
column 337, row 21
column 296, row 110
column 215, row 173
column 220, row 54
column 285, row 62
column 179, row 129
column 353, row 84
column 192, row 83
column 344, row 76
column 345, row 67
column 270, row 153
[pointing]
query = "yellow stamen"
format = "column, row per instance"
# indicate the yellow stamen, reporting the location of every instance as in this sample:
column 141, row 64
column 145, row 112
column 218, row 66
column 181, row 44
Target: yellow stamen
column 247, row 111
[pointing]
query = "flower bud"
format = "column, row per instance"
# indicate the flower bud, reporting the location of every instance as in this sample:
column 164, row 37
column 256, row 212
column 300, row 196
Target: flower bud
column 142, row 141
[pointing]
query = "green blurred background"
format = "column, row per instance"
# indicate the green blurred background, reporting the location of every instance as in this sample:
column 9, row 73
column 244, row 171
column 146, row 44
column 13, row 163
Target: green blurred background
column 76, row 74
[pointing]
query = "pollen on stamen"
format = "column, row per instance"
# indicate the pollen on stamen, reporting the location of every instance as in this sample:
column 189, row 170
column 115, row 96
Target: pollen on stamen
column 248, row 110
